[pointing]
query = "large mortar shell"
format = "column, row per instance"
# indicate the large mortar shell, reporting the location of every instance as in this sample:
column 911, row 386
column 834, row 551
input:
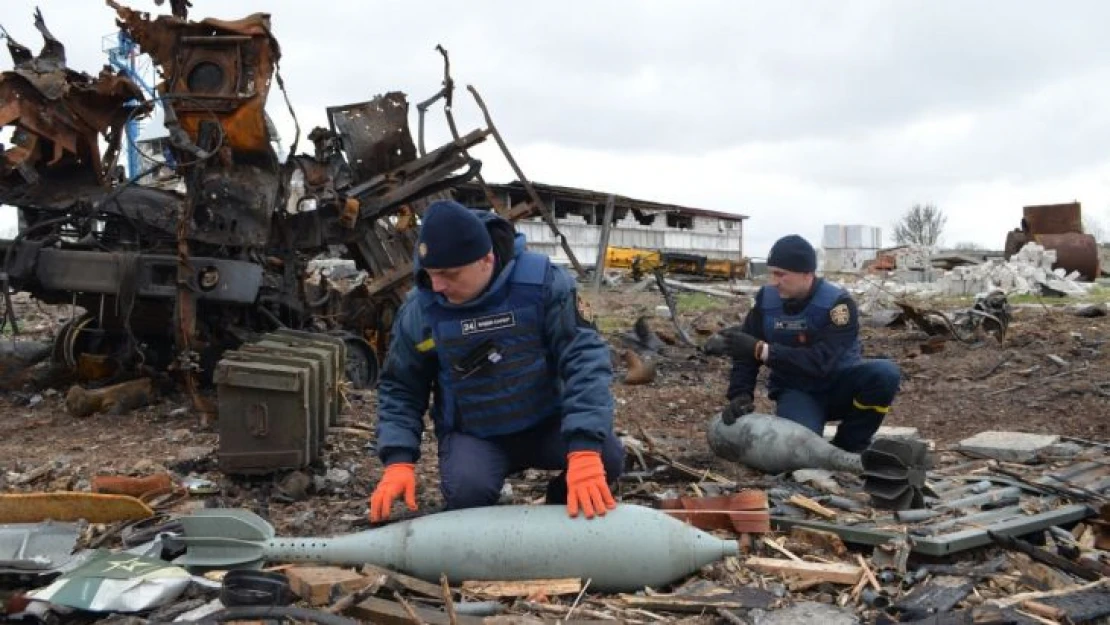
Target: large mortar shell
column 629, row 548
column 774, row 445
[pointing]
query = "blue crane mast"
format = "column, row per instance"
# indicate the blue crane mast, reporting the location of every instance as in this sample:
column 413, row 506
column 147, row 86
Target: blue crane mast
column 123, row 56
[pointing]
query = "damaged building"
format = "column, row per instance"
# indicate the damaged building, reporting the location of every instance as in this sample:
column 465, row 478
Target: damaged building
column 687, row 235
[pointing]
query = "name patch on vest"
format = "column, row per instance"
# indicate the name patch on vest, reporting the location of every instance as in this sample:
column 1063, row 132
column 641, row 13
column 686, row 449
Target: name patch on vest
column 791, row 325
column 488, row 323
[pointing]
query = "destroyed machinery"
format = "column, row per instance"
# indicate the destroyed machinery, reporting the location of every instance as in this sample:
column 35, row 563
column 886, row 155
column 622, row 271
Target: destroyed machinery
column 211, row 246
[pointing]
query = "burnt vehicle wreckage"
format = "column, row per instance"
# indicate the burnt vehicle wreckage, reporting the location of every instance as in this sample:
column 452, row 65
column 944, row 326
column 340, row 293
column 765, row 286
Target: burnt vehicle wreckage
column 170, row 279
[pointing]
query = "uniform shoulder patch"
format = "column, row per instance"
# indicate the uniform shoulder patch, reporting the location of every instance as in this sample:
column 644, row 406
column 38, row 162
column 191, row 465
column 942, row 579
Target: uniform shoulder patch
column 840, row 315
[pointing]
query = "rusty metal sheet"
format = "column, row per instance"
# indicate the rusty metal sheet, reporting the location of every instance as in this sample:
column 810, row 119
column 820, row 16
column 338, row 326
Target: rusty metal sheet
column 375, row 134
column 1074, row 252
column 218, row 68
column 44, row 99
column 1053, row 218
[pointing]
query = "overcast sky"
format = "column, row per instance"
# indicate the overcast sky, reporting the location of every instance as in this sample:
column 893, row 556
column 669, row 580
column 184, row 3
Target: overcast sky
column 797, row 114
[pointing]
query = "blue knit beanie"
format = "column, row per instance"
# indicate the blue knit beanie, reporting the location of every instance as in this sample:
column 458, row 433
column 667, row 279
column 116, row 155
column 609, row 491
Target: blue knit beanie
column 793, row 253
column 451, row 235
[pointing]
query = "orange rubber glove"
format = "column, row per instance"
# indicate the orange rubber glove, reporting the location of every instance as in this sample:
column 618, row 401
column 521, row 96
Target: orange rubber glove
column 586, row 486
column 398, row 479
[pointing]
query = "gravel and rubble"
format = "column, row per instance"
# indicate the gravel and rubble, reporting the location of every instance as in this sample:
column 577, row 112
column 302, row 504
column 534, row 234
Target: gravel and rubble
column 1047, row 377
column 1028, row 272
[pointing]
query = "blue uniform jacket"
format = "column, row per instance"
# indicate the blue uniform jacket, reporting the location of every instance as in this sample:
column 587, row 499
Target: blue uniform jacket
column 580, row 356
column 827, row 349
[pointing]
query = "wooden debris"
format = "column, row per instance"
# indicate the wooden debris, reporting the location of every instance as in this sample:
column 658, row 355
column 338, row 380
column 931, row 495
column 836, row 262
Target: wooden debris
column 1047, row 557
column 38, row 472
column 820, row 539
column 1044, row 611
column 834, row 573
column 386, row 612
column 1101, row 585
column 563, row 610
column 527, row 588
column 808, row 504
column 770, row 542
column 118, row 398
column 739, row 598
column 319, row 584
column 345, row 602
column 1042, row 575
column 868, row 574
column 640, row 370
column 448, row 600
column 71, row 506
column 399, row 581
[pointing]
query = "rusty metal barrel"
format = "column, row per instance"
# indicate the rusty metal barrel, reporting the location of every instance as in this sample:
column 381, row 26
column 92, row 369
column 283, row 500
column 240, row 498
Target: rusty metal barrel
column 1074, row 251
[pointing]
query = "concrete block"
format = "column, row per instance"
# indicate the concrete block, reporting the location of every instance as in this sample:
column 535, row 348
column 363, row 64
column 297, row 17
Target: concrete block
column 1008, row 446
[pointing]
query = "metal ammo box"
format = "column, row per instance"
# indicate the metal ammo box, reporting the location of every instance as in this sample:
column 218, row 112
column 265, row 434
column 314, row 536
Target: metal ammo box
column 277, row 397
column 264, row 421
column 339, row 357
column 317, row 409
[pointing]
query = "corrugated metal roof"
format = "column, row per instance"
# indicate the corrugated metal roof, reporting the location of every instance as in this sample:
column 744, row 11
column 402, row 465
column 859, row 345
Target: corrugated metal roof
column 587, row 196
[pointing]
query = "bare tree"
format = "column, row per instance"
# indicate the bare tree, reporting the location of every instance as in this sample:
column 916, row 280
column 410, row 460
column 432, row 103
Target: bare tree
column 968, row 246
column 921, row 225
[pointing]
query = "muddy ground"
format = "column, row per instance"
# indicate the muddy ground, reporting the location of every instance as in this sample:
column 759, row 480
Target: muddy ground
column 1050, row 375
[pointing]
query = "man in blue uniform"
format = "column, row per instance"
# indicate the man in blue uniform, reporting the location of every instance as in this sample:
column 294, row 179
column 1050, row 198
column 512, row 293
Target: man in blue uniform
column 806, row 331
column 520, row 379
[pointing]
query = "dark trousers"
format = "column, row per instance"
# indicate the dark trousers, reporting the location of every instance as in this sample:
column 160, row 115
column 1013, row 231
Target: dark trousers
column 472, row 470
column 859, row 398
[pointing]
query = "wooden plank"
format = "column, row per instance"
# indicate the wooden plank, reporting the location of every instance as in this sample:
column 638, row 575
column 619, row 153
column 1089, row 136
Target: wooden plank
column 805, row 502
column 1044, row 611
column 386, row 612
column 742, row 598
column 834, row 573
column 400, row 581
column 526, row 588
column 317, row 584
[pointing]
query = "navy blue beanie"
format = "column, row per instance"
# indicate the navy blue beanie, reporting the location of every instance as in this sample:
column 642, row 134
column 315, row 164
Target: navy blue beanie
column 793, row 253
column 451, row 235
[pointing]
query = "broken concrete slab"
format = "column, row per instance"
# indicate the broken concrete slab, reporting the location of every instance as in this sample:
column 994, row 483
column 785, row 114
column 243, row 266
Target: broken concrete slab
column 1008, row 446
